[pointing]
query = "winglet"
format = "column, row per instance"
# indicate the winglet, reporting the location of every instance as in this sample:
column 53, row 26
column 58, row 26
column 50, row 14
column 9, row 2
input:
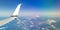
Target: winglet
column 16, row 12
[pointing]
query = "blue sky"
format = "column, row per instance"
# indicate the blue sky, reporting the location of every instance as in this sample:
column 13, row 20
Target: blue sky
column 28, row 6
column 28, row 3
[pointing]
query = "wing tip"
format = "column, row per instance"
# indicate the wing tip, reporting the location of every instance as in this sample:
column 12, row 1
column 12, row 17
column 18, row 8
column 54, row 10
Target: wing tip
column 16, row 12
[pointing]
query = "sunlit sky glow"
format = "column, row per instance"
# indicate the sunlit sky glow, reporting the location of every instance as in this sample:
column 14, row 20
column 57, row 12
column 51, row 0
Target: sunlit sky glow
column 30, row 7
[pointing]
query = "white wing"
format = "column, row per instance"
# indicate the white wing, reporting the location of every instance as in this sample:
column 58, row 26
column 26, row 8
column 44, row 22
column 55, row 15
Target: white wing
column 11, row 18
column 16, row 12
column 5, row 21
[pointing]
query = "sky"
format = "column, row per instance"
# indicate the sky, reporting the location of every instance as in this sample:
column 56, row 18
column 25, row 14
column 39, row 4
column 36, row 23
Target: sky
column 30, row 7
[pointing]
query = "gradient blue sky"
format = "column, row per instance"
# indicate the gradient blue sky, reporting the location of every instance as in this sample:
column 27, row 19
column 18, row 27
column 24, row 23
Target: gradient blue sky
column 8, row 6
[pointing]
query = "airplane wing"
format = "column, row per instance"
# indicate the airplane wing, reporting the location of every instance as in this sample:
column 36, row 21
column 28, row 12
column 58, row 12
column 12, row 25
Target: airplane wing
column 16, row 12
column 11, row 18
column 5, row 21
